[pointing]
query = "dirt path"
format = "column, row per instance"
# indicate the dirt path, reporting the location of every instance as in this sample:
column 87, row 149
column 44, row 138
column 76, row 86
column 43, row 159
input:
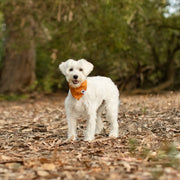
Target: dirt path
column 33, row 146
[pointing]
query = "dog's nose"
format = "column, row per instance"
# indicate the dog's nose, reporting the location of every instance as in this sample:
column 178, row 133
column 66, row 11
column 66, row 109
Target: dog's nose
column 75, row 76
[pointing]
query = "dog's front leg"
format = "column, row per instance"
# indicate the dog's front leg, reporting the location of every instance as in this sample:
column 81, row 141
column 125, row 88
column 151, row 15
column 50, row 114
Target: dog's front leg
column 91, row 126
column 71, row 121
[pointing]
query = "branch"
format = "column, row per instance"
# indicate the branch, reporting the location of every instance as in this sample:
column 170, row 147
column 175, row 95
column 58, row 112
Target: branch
column 155, row 89
column 170, row 27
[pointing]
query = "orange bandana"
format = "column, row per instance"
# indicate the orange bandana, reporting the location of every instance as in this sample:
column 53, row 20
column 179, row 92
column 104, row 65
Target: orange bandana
column 78, row 92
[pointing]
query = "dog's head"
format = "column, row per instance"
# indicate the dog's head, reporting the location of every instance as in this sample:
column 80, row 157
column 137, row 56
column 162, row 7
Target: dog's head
column 76, row 71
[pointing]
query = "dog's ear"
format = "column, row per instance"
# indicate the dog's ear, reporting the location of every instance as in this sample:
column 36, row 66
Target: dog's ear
column 62, row 67
column 87, row 66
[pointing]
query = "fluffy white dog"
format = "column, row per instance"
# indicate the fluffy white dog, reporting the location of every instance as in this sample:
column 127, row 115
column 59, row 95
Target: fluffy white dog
column 88, row 97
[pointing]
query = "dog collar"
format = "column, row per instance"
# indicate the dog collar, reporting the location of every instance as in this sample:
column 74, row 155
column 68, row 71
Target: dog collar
column 78, row 92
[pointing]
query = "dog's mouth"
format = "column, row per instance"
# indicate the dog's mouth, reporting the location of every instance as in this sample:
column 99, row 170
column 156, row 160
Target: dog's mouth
column 75, row 81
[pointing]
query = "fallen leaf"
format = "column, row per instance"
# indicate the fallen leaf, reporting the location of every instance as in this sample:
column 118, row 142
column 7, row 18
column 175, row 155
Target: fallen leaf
column 42, row 173
column 48, row 166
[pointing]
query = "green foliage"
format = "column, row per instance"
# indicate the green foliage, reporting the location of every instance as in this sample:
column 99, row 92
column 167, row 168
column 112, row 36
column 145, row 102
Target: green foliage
column 1, row 39
column 131, row 41
column 169, row 152
column 13, row 97
column 133, row 144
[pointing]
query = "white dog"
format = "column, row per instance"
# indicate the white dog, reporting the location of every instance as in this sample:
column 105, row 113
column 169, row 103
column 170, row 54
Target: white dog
column 88, row 97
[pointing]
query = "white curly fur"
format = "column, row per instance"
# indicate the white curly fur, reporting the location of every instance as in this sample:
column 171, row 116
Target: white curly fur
column 101, row 94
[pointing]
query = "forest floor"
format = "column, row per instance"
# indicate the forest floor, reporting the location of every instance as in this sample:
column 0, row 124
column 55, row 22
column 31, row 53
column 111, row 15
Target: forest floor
column 33, row 141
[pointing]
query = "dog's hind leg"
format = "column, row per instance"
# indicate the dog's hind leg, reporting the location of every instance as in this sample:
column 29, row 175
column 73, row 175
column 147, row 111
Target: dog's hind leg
column 99, row 123
column 112, row 107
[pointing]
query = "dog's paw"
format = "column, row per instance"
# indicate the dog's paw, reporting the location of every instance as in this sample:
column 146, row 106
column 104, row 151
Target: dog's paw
column 71, row 138
column 88, row 138
column 99, row 128
column 114, row 134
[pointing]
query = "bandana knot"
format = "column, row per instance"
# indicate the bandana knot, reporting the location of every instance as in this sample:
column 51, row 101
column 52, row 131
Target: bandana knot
column 78, row 92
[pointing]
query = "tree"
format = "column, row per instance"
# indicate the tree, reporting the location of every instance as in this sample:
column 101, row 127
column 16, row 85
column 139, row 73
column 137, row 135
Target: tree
column 154, row 43
column 131, row 41
column 127, row 41
column 19, row 64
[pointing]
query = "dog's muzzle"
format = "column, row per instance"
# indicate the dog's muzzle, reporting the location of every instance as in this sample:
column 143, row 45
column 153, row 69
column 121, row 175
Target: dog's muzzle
column 75, row 81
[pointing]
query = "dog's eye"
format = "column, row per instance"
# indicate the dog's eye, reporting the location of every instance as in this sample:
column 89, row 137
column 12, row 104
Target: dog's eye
column 71, row 69
column 80, row 69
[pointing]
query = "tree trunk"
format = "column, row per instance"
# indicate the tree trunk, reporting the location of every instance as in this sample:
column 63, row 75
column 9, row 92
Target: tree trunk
column 19, row 63
column 19, row 69
column 169, row 77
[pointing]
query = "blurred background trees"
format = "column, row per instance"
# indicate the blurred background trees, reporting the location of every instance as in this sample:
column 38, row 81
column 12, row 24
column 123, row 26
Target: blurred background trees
column 136, row 43
column 19, row 52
